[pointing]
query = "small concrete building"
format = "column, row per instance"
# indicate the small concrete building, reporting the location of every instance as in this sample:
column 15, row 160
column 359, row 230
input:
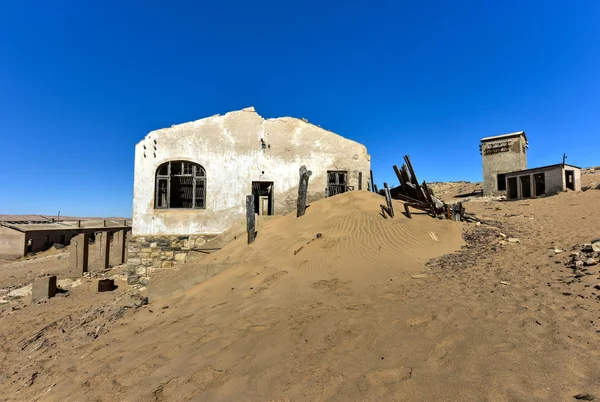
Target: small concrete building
column 502, row 154
column 19, row 238
column 543, row 180
column 192, row 179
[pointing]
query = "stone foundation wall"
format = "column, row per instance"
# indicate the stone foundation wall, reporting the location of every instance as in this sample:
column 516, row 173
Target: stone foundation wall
column 149, row 253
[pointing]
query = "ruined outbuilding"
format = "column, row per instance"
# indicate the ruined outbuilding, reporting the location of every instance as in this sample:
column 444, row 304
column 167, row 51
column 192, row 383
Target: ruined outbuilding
column 502, row 154
column 20, row 238
column 192, row 179
column 542, row 180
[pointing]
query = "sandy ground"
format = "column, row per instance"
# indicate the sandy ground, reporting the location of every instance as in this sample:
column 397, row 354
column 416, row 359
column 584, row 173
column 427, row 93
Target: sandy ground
column 339, row 317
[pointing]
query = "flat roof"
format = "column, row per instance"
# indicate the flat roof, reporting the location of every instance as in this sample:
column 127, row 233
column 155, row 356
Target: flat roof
column 542, row 168
column 497, row 137
column 38, row 226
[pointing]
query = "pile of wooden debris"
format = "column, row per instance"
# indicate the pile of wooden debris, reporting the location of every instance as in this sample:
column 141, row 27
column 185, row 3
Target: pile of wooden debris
column 417, row 196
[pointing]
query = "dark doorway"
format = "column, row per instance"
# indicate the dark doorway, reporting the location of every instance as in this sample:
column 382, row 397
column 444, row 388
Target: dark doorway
column 62, row 240
column 336, row 182
column 512, row 188
column 539, row 184
column 570, row 179
column 501, row 182
column 525, row 186
column 263, row 197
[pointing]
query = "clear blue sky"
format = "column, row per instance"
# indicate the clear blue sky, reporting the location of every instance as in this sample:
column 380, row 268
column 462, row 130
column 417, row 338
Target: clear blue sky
column 81, row 83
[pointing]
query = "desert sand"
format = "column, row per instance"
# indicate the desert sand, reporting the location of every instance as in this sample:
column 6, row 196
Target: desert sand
column 338, row 305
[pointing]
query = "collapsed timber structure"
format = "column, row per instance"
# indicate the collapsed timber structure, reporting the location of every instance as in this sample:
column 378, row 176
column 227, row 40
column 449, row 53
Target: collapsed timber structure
column 417, row 196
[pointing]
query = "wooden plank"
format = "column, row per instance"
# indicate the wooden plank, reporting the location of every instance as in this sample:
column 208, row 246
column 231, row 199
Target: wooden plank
column 250, row 219
column 411, row 190
column 438, row 203
column 302, row 190
column 427, row 193
column 388, row 199
column 373, row 186
column 402, row 181
column 406, row 198
column 415, row 181
column 408, row 215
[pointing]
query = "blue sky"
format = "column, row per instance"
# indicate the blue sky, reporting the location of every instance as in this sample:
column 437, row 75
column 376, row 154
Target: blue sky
column 81, row 83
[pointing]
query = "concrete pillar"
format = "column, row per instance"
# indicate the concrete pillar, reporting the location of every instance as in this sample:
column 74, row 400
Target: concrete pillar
column 79, row 255
column 531, row 186
column 43, row 288
column 117, row 251
column 102, row 250
column 127, row 240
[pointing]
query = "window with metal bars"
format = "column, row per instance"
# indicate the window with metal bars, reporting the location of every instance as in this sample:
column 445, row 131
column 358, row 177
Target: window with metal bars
column 181, row 185
column 336, row 182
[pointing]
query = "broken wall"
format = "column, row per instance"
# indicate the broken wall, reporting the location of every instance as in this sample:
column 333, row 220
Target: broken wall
column 236, row 149
column 12, row 243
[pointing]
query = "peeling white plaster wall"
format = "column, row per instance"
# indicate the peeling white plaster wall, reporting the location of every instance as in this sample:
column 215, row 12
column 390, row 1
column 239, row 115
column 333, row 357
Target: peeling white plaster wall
column 229, row 148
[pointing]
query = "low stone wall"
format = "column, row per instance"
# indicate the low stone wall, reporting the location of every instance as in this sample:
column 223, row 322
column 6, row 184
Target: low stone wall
column 149, row 253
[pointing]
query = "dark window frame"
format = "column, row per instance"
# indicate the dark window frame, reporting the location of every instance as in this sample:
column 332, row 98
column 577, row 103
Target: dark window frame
column 180, row 184
column 337, row 182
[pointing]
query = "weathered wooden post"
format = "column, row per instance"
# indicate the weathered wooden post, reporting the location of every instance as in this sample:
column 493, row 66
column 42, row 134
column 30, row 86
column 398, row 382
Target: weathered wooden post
column 373, row 186
column 388, row 200
column 250, row 219
column 302, row 190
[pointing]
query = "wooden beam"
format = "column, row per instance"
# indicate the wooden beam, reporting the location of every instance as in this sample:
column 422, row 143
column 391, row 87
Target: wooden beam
column 388, row 199
column 406, row 198
column 302, row 190
column 250, row 218
column 408, row 215
column 401, row 180
column 414, row 176
column 373, row 186
column 411, row 191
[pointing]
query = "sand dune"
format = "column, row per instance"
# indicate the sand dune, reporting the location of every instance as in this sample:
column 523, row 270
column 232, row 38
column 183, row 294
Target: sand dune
column 294, row 317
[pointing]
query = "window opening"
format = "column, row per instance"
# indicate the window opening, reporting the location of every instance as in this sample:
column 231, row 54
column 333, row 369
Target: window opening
column 180, row 185
column 336, row 182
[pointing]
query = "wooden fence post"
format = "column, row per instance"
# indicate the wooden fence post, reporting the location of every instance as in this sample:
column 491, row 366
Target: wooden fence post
column 250, row 219
column 373, row 186
column 388, row 199
column 302, row 190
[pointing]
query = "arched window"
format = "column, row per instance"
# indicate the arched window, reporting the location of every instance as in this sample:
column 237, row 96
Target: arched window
column 180, row 184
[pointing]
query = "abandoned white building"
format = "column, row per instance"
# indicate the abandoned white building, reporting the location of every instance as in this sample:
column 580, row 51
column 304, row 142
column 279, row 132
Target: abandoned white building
column 192, row 179
column 543, row 180
column 505, row 170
